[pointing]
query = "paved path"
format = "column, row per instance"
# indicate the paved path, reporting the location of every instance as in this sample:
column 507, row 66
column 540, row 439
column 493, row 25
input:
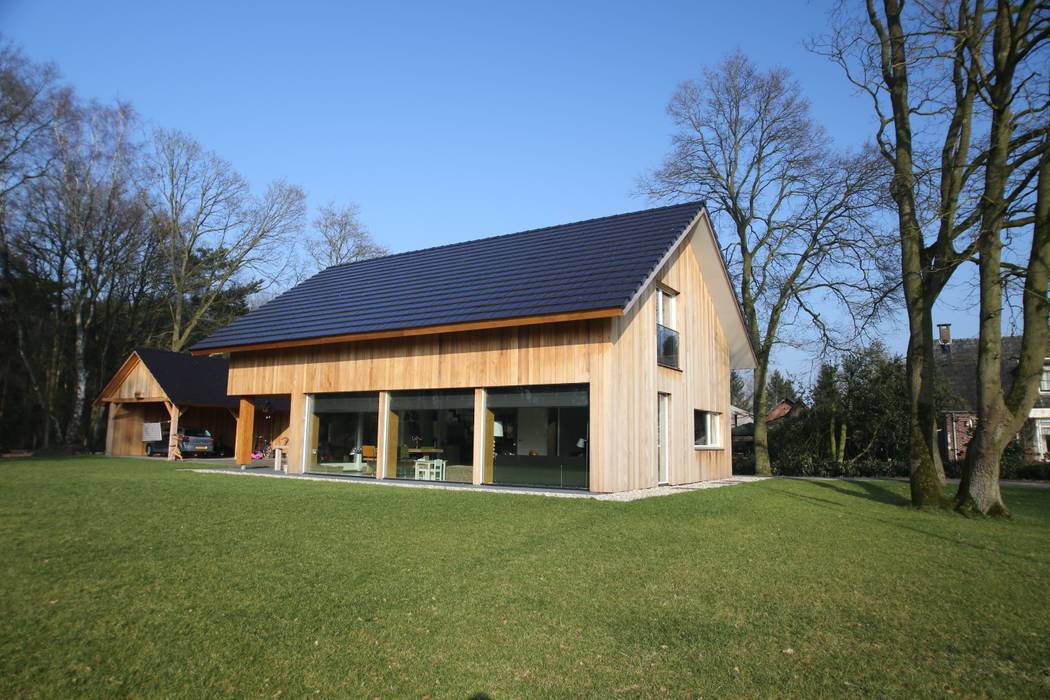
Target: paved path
column 487, row 488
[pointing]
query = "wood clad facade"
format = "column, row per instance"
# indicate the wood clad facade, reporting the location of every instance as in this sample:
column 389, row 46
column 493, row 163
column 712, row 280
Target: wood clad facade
column 615, row 357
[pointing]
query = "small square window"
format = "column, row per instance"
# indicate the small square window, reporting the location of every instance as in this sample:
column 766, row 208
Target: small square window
column 706, row 429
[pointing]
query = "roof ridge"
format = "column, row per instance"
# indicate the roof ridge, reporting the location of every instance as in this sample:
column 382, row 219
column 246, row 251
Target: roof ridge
column 696, row 202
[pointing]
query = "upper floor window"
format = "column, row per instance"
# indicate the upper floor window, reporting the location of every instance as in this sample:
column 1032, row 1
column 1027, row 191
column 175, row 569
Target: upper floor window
column 665, row 311
column 666, row 325
column 1044, row 380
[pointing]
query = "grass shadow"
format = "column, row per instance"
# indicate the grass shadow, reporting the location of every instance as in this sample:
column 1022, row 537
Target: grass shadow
column 869, row 490
column 877, row 492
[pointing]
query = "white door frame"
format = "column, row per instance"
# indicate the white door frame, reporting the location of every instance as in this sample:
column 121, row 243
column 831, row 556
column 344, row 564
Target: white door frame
column 663, row 438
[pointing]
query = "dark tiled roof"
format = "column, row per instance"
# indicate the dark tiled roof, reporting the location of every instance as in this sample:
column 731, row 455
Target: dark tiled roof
column 957, row 366
column 585, row 266
column 189, row 380
column 197, row 381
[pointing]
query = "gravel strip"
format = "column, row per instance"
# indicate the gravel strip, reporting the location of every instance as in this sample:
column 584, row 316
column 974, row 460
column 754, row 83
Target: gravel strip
column 622, row 496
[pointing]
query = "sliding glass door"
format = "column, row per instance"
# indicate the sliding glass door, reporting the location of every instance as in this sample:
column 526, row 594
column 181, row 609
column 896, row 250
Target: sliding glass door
column 540, row 435
column 435, row 434
column 342, row 434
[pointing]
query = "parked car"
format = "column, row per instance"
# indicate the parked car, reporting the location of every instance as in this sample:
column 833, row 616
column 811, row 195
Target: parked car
column 196, row 441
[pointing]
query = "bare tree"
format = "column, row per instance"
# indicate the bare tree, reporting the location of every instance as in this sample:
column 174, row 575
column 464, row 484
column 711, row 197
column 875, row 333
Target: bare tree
column 28, row 94
column 29, row 106
column 921, row 66
column 798, row 233
column 341, row 237
column 83, row 216
column 211, row 230
column 1011, row 72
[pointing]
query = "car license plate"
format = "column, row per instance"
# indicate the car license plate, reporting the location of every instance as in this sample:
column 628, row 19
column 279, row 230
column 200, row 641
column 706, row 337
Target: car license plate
column 201, row 447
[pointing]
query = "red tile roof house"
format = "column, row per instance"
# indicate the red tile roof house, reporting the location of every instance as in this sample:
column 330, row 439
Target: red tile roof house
column 593, row 355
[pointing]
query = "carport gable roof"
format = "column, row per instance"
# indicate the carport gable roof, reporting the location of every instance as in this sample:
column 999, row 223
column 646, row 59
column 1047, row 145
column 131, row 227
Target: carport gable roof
column 186, row 380
column 585, row 269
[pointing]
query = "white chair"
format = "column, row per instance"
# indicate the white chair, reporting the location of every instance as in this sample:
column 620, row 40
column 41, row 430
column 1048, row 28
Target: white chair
column 423, row 472
column 437, row 469
column 430, row 469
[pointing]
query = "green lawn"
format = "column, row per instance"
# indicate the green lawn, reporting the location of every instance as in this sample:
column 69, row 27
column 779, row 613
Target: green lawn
column 122, row 577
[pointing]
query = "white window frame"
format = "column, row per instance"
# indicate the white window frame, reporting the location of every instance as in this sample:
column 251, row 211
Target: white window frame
column 1044, row 380
column 304, row 443
column 1042, row 427
column 666, row 313
column 714, row 430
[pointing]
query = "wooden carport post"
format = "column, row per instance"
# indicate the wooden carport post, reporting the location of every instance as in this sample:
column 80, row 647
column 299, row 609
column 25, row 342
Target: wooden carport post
column 242, row 451
column 173, row 432
column 111, row 426
column 484, row 438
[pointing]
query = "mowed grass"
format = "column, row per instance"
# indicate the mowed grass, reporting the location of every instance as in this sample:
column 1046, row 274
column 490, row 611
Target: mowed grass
column 127, row 578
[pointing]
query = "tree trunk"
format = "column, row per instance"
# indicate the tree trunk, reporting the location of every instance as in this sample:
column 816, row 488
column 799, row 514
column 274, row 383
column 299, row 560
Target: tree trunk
column 75, row 430
column 979, row 489
column 927, row 482
column 758, row 406
column 927, row 475
column 841, row 456
column 833, row 438
column 927, row 394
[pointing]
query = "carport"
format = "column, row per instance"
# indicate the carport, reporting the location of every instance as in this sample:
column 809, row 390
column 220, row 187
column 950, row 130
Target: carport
column 156, row 385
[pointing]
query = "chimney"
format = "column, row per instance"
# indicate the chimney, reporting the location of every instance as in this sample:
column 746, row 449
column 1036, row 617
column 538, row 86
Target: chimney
column 944, row 336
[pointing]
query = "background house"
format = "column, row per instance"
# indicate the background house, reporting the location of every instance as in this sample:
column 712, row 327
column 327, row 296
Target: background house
column 957, row 368
column 743, row 431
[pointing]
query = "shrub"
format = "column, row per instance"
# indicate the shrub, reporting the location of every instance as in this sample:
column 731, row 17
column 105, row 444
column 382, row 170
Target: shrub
column 744, row 463
column 807, row 466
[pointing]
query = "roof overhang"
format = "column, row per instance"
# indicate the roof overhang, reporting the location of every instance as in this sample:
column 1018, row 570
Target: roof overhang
column 742, row 353
column 422, row 330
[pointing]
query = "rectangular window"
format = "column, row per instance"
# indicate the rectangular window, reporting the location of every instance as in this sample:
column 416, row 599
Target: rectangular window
column 666, row 324
column 706, row 429
column 342, row 432
column 665, row 311
column 1044, row 380
column 540, row 435
column 1042, row 439
column 435, row 434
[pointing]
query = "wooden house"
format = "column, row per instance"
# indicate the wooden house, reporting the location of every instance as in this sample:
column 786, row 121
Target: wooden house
column 593, row 355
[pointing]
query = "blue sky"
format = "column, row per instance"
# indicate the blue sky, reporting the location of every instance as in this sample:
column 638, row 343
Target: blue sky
column 443, row 121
